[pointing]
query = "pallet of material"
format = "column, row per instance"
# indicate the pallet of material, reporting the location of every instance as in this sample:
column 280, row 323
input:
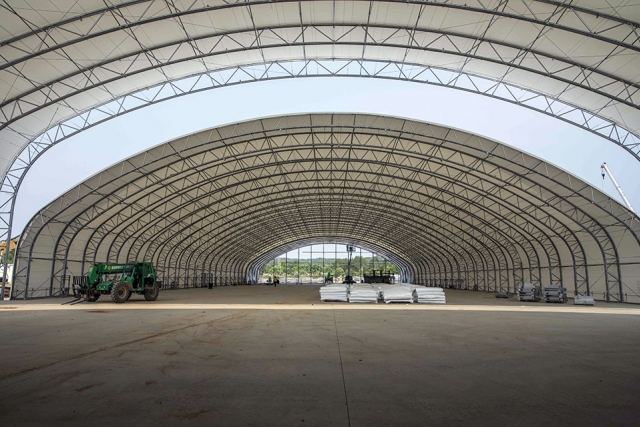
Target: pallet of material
column 429, row 295
column 398, row 293
column 528, row 292
column 583, row 300
column 363, row 294
column 555, row 293
column 337, row 292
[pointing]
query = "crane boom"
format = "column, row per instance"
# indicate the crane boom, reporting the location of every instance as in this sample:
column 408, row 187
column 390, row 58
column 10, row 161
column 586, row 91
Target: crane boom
column 605, row 168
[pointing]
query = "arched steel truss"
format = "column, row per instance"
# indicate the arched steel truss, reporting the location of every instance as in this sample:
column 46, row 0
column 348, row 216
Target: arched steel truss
column 406, row 270
column 452, row 205
column 103, row 59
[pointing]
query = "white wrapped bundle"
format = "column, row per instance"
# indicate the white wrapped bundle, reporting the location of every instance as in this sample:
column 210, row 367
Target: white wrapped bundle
column 425, row 290
column 397, row 293
column 337, row 292
column 429, row 295
column 583, row 300
column 363, row 293
column 381, row 287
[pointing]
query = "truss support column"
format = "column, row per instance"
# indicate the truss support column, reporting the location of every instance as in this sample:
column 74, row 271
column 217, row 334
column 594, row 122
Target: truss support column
column 7, row 249
column 517, row 278
column 5, row 262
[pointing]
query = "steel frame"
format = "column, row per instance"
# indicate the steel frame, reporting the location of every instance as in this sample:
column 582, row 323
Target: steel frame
column 406, row 270
column 609, row 29
column 224, row 178
column 169, row 225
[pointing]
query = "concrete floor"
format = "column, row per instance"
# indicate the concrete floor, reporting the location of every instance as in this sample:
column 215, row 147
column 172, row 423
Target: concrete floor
column 265, row 356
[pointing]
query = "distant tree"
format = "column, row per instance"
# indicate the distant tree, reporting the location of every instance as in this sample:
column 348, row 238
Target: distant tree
column 12, row 254
column 321, row 267
column 305, row 264
column 316, row 268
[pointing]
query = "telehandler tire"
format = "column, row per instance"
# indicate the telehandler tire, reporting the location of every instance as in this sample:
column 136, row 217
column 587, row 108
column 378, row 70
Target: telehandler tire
column 151, row 294
column 119, row 293
column 93, row 298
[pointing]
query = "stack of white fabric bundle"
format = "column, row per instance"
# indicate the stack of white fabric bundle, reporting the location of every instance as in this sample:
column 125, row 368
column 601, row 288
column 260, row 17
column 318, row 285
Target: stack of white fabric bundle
column 397, row 293
column 337, row 292
column 363, row 293
column 583, row 300
column 429, row 295
column 381, row 288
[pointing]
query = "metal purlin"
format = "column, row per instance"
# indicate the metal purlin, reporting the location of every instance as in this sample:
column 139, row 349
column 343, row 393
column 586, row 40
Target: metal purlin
column 589, row 76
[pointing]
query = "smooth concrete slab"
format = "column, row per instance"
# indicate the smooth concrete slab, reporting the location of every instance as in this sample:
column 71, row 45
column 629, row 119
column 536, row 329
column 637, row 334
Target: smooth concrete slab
column 265, row 356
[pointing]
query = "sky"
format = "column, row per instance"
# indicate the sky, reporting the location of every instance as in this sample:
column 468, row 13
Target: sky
column 73, row 160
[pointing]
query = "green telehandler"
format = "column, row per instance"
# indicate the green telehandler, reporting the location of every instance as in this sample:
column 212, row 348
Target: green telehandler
column 138, row 277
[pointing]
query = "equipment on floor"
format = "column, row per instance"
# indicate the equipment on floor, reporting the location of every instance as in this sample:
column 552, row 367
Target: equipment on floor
column 138, row 277
column 555, row 293
column 528, row 292
column 583, row 300
column 381, row 278
column 502, row 294
column 329, row 278
column 348, row 279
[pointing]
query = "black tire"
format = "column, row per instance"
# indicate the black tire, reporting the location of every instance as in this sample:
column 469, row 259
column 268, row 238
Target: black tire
column 151, row 294
column 120, row 293
column 93, row 297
